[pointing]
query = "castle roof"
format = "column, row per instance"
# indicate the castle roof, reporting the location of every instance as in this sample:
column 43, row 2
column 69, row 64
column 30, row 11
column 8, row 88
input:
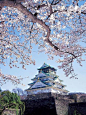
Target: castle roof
column 42, row 74
column 46, row 66
column 46, row 78
column 38, row 84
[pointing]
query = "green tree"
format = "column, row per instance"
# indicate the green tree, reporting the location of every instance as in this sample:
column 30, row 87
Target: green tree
column 11, row 100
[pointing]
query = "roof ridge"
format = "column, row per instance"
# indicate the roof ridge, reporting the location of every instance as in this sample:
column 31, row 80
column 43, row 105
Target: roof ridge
column 45, row 66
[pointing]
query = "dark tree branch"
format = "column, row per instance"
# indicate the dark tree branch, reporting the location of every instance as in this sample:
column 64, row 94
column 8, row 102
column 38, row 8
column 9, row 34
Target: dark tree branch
column 24, row 10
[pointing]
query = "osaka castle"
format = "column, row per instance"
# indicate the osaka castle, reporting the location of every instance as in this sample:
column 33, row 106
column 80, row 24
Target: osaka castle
column 46, row 81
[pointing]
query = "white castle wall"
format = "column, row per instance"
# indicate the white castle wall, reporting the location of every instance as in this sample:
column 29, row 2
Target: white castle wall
column 35, row 91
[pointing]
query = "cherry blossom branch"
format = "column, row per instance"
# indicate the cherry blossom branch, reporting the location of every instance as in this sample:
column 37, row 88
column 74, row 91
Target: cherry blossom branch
column 67, row 20
column 19, row 6
column 4, row 78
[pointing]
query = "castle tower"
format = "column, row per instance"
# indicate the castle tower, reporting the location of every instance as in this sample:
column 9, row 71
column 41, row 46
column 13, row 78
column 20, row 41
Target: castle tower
column 46, row 81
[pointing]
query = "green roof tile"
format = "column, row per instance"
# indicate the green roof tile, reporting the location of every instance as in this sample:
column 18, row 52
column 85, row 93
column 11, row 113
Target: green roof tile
column 46, row 66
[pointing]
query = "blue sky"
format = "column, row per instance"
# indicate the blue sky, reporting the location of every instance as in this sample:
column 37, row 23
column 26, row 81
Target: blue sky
column 72, row 85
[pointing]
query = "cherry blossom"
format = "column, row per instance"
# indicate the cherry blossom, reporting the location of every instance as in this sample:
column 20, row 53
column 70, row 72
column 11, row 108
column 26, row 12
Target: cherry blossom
column 57, row 27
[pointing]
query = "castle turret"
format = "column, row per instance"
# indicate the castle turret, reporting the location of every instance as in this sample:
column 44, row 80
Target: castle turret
column 46, row 81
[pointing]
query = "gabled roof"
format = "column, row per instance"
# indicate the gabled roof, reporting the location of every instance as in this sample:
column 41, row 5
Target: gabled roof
column 42, row 74
column 42, row 78
column 38, row 84
column 46, row 66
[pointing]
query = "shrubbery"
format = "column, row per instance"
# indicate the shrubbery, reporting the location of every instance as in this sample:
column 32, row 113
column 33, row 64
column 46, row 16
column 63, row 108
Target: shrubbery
column 11, row 100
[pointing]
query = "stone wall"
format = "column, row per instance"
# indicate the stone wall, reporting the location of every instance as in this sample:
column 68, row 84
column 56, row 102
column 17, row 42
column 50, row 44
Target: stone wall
column 77, row 108
column 62, row 106
column 47, row 95
column 9, row 111
column 39, row 96
column 47, row 104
